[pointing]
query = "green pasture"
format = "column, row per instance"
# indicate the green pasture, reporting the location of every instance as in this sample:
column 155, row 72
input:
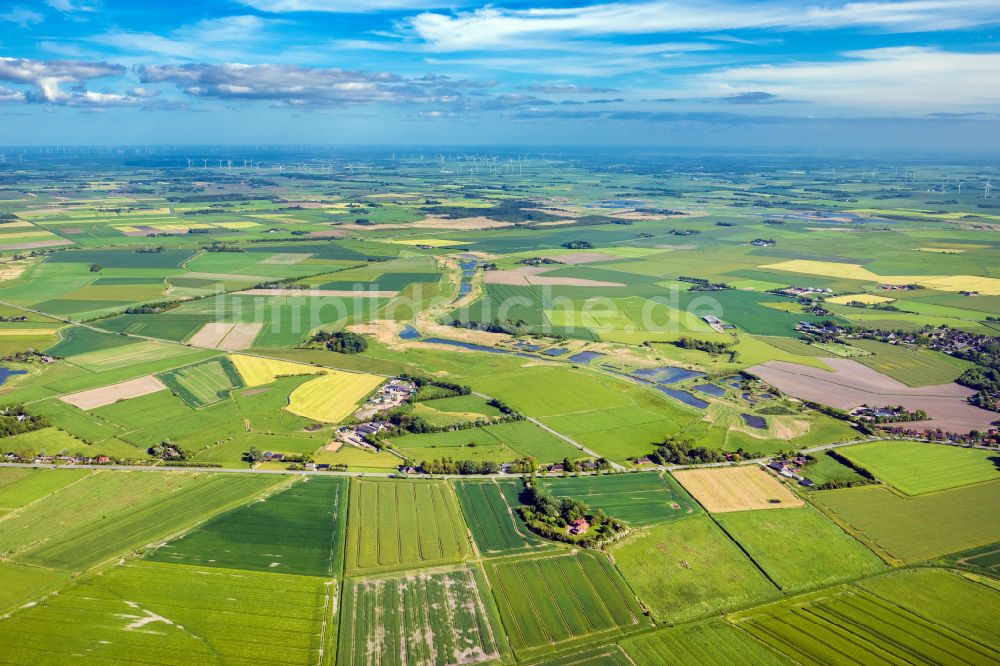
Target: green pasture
column 917, row 468
column 490, row 509
column 710, row 642
column 640, row 499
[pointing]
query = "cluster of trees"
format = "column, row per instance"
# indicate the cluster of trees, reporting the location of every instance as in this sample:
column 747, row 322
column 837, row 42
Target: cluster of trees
column 578, row 245
column 701, row 284
column 167, row 450
column 219, row 246
column 763, row 241
column 708, row 346
column 683, row 232
column 152, row 308
column 343, row 342
column 151, row 250
column 15, row 420
column 683, row 451
column 421, row 382
column 552, row 517
column 449, row 466
column 517, row 211
column 508, row 326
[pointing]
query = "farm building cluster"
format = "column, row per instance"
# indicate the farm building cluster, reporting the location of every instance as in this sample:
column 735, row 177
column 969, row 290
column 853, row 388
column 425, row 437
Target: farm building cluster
column 791, row 469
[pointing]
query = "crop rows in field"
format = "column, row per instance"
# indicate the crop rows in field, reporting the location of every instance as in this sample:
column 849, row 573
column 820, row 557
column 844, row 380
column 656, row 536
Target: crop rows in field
column 985, row 559
column 204, row 383
column 173, row 615
column 439, row 617
column 494, row 522
column 850, row 626
column 299, row 530
column 333, row 396
column 638, row 499
column 709, row 643
column 398, row 525
column 108, row 512
column 555, row 600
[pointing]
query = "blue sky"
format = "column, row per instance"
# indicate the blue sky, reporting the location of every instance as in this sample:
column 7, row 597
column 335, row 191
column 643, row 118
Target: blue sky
column 878, row 74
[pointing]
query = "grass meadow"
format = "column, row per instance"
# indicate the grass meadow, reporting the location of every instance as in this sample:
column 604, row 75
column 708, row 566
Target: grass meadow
column 713, row 642
column 917, row 468
column 689, row 569
column 640, row 499
column 296, row 530
column 496, row 526
column 914, row 529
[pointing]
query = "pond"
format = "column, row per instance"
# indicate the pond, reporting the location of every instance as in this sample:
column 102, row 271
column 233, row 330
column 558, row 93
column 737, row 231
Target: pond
column 466, row 345
column 754, row 421
column 524, row 345
column 409, row 333
column 711, row 389
column 684, row 396
column 7, row 372
column 585, row 357
column 667, row 374
column 555, row 351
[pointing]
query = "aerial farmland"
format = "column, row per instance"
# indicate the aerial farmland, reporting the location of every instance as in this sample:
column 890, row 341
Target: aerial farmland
column 308, row 413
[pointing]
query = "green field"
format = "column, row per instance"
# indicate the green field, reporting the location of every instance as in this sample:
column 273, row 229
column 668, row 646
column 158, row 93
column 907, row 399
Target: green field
column 444, row 616
column 965, row 604
column 852, row 626
column 827, row 468
column 913, row 529
column 917, row 468
column 204, row 383
column 689, row 569
column 400, row 525
column 170, row 615
column 298, row 530
column 128, row 510
column 984, row 560
column 551, row 602
column 502, row 442
column 19, row 486
column 799, row 548
column 713, row 643
column 496, row 526
column 640, row 499
column 20, row 584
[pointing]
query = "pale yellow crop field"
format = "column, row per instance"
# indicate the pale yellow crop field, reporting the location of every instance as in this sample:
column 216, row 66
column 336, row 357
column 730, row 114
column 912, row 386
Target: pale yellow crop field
column 259, row 371
column 867, row 299
column 333, row 396
column 430, row 242
column 983, row 285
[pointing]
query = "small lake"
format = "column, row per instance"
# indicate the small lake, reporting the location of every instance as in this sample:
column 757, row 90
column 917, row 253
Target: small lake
column 555, row 351
column 684, row 396
column 5, row 373
column 754, row 421
column 466, row 345
column 711, row 389
column 409, row 333
column 524, row 345
column 667, row 374
column 585, row 357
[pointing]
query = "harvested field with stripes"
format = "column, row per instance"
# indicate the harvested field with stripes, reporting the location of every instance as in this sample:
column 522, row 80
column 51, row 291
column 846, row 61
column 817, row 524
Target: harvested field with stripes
column 736, row 489
column 444, row 617
column 396, row 525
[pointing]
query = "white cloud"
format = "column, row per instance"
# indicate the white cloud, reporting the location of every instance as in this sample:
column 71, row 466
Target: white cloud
column 908, row 80
column 220, row 38
column 47, row 76
column 21, row 16
column 491, row 27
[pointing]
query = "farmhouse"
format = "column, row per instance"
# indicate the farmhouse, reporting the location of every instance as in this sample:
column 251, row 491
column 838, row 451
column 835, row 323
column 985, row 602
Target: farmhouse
column 579, row 526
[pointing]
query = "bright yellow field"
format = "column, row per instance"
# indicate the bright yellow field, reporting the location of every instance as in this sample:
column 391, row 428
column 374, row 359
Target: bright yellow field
column 984, row 285
column 27, row 331
column 431, row 242
column 867, row 299
column 332, row 397
column 236, row 225
column 259, row 371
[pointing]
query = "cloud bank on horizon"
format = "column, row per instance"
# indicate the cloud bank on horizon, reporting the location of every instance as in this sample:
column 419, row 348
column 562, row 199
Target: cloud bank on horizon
column 520, row 71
